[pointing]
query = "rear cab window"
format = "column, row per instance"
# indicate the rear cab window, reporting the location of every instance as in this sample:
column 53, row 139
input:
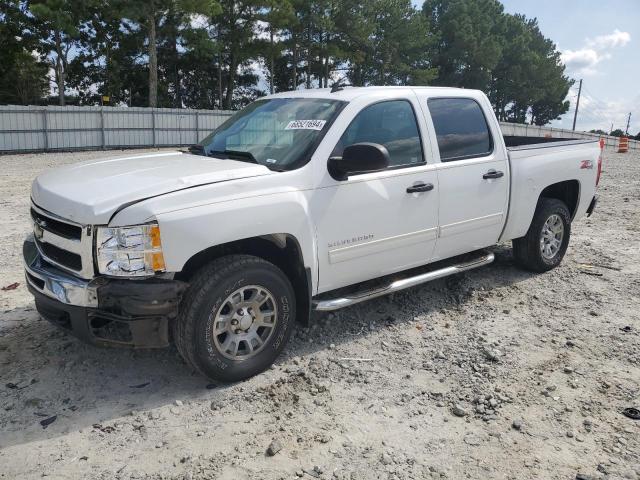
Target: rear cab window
column 461, row 128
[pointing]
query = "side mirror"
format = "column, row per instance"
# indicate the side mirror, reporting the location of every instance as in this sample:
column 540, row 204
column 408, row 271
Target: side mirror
column 359, row 158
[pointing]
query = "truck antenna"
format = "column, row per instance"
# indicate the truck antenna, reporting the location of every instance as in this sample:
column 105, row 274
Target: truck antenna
column 339, row 85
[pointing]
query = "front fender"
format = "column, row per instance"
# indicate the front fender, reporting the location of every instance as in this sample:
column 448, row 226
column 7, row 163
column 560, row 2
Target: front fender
column 189, row 231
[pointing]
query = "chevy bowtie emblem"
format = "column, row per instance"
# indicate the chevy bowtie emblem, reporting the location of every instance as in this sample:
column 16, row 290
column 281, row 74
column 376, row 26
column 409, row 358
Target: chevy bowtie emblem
column 38, row 231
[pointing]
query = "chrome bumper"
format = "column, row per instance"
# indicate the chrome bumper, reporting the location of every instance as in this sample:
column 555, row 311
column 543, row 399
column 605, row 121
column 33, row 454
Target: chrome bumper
column 55, row 283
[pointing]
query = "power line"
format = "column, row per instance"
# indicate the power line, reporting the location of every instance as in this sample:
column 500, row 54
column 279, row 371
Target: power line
column 595, row 97
column 597, row 110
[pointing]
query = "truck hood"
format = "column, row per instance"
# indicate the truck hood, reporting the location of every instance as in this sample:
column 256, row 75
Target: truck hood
column 90, row 192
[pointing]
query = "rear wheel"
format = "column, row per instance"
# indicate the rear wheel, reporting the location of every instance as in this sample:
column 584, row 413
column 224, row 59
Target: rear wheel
column 235, row 318
column 546, row 241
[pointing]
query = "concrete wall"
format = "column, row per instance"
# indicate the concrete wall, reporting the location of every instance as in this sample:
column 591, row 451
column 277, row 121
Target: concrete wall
column 518, row 129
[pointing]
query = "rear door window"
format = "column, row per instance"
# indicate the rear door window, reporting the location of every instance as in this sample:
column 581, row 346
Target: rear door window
column 461, row 128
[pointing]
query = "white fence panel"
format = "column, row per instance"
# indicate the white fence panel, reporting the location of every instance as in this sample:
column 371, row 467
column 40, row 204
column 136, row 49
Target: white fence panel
column 33, row 128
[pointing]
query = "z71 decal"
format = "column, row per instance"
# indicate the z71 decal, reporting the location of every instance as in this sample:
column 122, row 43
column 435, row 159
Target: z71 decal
column 586, row 164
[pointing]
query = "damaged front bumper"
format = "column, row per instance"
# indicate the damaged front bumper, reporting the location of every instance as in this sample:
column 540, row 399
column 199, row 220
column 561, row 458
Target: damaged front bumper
column 103, row 311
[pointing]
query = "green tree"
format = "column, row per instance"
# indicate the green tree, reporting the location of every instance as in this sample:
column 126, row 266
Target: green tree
column 23, row 76
column 173, row 31
column 276, row 16
column 202, row 76
column 106, row 52
column 385, row 42
column 468, row 41
column 552, row 85
column 58, row 23
column 618, row 132
column 528, row 82
column 234, row 30
column 207, row 53
column 150, row 15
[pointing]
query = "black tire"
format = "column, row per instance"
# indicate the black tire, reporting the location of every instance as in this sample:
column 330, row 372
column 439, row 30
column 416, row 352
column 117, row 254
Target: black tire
column 527, row 251
column 208, row 290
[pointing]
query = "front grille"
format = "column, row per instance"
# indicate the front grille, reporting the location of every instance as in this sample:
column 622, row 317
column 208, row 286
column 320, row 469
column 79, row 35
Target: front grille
column 63, row 243
column 36, row 281
column 62, row 229
column 60, row 256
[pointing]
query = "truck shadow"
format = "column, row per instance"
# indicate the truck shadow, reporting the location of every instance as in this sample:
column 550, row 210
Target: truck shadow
column 45, row 373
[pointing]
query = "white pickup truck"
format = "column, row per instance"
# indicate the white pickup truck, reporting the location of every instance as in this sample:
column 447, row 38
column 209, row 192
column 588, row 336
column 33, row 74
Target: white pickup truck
column 285, row 205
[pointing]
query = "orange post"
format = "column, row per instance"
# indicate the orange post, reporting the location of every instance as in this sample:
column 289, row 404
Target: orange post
column 602, row 143
column 623, row 146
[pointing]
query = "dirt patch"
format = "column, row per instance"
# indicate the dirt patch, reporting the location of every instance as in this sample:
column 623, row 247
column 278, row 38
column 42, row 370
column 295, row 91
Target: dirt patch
column 496, row 373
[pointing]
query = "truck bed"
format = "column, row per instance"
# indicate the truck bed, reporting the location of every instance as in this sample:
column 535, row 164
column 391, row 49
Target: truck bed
column 535, row 166
column 514, row 142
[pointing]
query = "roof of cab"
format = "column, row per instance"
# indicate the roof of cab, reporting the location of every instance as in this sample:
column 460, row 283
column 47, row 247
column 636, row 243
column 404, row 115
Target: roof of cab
column 349, row 93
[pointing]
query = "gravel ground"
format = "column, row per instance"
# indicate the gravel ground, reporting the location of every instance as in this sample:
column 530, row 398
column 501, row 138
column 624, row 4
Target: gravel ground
column 495, row 373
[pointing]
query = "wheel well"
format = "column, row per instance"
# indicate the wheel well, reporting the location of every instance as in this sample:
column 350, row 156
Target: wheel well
column 280, row 249
column 567, row 191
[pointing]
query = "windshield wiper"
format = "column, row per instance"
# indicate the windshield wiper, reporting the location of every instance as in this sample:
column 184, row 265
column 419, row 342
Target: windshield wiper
column 236, row 155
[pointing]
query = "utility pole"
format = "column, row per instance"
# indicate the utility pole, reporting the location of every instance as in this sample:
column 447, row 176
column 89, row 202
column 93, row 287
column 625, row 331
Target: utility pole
column 626, row 132
column 575, row 114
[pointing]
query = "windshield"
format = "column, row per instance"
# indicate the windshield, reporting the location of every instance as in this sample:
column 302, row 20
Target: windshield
column 280, row 133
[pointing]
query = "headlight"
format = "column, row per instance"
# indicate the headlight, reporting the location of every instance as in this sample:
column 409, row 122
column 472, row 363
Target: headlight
column 129, row 251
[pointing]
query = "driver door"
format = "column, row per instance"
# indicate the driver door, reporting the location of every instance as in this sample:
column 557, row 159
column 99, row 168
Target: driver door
column 374, row 224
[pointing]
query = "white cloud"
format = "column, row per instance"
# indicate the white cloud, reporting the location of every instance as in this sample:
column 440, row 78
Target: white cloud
column 582, row 61
column 585, row 60
column 595, row 113
column 615, row 39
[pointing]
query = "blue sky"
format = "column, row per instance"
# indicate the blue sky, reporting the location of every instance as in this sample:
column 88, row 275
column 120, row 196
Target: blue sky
column 600, row 43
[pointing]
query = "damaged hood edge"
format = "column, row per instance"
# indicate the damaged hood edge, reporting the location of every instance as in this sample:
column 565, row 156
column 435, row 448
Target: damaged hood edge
column 93, row 192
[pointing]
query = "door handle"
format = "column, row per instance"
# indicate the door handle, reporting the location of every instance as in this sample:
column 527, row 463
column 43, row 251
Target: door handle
column 493, row 174
column 420, row 187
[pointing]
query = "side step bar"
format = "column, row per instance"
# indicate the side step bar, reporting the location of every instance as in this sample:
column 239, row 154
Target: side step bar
column 396, row 286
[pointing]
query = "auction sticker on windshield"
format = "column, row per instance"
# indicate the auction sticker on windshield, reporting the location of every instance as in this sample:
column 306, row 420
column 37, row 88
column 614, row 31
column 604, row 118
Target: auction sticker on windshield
column 305, row 125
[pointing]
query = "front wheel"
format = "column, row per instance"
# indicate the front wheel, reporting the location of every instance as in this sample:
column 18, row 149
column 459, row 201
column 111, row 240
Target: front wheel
column 546, row 241
column 235, row 318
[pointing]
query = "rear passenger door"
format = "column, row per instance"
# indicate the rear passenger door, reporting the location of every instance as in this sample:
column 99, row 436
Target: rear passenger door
column 473, row 176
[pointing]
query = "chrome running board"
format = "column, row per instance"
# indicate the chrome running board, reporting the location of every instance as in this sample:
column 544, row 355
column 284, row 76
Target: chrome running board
column 396, row 286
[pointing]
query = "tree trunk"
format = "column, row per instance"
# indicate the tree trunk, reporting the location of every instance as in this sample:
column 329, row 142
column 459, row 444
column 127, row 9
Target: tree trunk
column 325, row 72
column 153, row 61
column 59, row 69
column 271, row 62
column 176, row 75
column 294, row 74
column 231, row 82
column 177, row 84
column 308, row 80
column 320, row 63
column 219, row 83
